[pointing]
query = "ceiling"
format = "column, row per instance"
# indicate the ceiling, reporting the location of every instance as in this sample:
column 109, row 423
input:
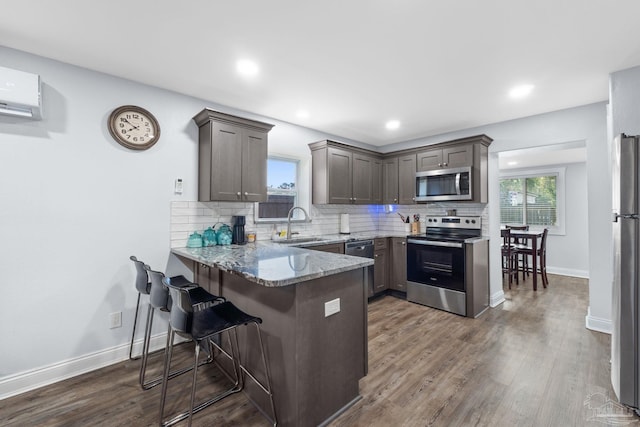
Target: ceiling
column 542, row 156
column 435, row 66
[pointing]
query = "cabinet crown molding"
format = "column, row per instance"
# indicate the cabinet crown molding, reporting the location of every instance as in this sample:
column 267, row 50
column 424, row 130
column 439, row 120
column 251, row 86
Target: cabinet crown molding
column 208, row 114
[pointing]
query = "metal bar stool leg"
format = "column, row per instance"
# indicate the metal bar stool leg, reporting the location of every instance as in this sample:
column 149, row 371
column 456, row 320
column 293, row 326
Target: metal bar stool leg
column 133, row 334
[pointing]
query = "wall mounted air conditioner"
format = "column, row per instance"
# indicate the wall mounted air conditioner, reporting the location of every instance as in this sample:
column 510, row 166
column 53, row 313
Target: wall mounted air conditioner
column 20, row 94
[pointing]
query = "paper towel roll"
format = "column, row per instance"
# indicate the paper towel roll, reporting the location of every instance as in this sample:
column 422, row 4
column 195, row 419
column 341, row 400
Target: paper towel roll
column 344, row 223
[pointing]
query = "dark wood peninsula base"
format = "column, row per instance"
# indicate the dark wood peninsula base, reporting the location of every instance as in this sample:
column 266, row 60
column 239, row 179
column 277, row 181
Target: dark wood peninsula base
column 315, row 362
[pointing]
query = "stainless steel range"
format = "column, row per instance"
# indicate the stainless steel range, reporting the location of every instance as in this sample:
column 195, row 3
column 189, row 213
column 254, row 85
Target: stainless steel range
column 447, row 267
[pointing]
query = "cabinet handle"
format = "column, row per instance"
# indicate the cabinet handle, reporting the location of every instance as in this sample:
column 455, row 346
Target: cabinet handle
column 445, row 163
column 376, row 256
column 246, row 194
column 439, row 165
column 403, row 243
column 395, row 200
column 354, row 199
column 413, row 198
column 239, row 194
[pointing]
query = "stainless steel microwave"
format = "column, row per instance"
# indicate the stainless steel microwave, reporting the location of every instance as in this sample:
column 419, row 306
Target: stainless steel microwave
column 444, row 185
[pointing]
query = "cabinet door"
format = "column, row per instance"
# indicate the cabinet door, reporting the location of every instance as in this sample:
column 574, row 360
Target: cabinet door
column 226, row 160
column 207, row 277
column 390, row 181
column 340, row 175
column 380, row 270
column 429, row 159
column 407, row 179
column 398, row 264
column 376, row 181
column 362, row 184
column 254, row 166
column 457, row 156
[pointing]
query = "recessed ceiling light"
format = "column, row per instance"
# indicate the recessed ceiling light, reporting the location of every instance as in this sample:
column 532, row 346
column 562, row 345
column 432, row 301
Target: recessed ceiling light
column 302, row 114
column 521, row 91
column 392, row 124
column 247, row 68
column 512, row 163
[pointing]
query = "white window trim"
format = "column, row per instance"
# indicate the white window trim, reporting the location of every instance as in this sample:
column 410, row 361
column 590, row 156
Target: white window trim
column 256, row 205
column 559, row 172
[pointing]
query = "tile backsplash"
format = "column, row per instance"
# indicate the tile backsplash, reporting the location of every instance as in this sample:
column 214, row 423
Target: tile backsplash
column 190, row 216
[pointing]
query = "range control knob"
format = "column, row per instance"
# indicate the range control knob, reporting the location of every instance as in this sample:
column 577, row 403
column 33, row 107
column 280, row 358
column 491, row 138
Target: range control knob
column 467, row 221
column 473, row 221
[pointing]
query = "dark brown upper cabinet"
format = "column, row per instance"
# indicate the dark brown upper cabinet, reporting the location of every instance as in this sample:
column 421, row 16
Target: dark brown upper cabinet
column 399, row 180
column 345, row 175
column 232, row 157
column 448, row 157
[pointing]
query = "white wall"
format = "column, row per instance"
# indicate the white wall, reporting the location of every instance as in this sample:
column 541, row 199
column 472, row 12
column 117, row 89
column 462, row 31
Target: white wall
column 588, row 124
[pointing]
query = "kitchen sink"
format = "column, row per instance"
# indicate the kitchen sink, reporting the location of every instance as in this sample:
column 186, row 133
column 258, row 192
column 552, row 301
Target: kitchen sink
column 300, row 240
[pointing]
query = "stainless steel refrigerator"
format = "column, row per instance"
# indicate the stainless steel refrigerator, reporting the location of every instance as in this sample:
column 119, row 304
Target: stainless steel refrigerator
column 625, row 354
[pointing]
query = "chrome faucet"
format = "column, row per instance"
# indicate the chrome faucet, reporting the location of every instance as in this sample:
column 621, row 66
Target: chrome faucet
column 306, row 217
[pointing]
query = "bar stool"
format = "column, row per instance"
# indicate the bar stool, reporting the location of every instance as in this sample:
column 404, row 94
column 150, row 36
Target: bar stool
column 204, row 327
column 143, row 286
column 159, row 299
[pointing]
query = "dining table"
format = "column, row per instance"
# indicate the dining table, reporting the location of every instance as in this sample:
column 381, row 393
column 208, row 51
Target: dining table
column 528, row 236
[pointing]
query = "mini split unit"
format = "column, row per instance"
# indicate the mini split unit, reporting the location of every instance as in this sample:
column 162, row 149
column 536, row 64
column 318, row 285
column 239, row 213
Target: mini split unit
column 20, row 94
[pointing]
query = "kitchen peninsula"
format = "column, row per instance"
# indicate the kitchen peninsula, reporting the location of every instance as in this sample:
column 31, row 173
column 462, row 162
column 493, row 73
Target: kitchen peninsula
column 315, row 358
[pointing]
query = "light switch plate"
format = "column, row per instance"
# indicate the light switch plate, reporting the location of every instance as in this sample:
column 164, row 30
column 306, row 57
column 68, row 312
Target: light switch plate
column 178, row 186
column 331, row 307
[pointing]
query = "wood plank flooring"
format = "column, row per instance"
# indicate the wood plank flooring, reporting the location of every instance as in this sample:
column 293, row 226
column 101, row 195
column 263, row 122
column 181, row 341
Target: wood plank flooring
column 528, row 362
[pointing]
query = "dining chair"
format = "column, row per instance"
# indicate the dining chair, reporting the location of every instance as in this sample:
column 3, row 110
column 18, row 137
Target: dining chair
column 509, row 257
column 522, row 261
column 541, row 253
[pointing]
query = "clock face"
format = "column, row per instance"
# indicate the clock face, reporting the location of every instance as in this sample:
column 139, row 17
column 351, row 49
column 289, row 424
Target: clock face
column 134, row 127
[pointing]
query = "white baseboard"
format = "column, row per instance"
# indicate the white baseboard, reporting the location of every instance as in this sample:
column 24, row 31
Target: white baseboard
column 584, row 274
column 496, row 299
column 39, row 377
column 598, row 324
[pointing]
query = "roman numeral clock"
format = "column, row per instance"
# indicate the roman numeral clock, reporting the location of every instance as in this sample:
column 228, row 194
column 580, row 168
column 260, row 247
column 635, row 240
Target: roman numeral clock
column 134, row 127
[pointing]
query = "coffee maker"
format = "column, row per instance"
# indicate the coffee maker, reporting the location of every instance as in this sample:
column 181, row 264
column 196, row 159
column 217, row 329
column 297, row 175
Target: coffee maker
column 238, row 231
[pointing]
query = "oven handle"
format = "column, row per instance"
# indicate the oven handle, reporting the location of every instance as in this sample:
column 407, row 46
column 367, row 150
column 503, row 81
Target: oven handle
column 435, row 243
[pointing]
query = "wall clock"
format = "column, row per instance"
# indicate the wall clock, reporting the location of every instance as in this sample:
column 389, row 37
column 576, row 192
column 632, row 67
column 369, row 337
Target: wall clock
column 134, row 127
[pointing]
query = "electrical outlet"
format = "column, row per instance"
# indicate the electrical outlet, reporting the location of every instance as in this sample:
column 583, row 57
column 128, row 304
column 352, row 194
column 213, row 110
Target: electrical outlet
column 115, row 320
column 331, row 307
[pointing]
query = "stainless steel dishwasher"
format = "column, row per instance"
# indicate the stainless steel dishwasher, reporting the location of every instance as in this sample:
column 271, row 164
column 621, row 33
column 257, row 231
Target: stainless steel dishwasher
column 362, row 248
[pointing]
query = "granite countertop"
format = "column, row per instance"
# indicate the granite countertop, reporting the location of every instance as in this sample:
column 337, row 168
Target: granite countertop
column 273, row 265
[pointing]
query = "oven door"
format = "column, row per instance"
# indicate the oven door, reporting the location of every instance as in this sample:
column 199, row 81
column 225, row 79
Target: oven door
column 439, row 264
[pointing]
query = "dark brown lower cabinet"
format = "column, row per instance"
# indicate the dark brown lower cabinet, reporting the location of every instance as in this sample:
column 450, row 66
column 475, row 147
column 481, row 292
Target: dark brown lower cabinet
column 398, row 274
column 336, row 248
column 207, row 277
column 380, row 268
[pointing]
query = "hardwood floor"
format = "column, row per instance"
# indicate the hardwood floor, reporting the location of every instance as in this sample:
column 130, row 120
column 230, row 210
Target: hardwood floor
column 528, row 362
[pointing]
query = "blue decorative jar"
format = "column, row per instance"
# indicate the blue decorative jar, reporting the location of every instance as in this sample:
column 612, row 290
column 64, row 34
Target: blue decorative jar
column 209, row 237
column 195, row 240
column 224, row 235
